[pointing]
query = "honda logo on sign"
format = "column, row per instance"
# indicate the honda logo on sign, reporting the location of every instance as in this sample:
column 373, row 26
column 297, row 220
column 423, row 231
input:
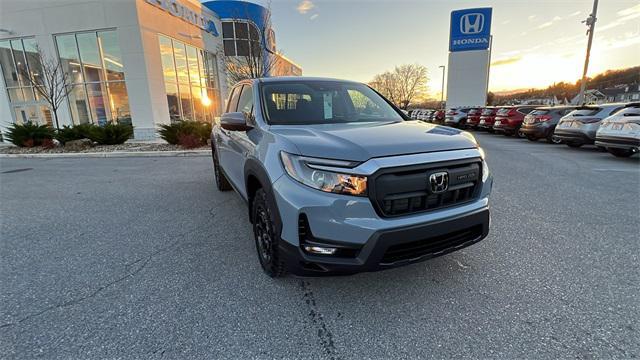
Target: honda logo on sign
column 472, row 23
column 439, row 182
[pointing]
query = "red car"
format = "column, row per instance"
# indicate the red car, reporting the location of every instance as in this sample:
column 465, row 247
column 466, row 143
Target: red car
column 473, row 117
column 509, row 119
column 487, row 117
column 437, row 117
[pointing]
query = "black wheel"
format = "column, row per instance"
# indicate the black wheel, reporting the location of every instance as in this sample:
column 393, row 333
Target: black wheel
column 221, row 181
column 574, row 144
column 532, row 138
column 266, row 235
column 552, row 139
column 620, row 152
column 520, row 134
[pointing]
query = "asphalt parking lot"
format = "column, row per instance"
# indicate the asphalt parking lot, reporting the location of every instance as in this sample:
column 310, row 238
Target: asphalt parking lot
column 143, row 258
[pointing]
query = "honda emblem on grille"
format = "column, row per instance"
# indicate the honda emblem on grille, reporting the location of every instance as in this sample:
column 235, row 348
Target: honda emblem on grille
column 439, row 182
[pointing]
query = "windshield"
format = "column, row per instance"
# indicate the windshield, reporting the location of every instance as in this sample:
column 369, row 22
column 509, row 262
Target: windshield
column 323, row 102
column 488, row 111
column 585, row 111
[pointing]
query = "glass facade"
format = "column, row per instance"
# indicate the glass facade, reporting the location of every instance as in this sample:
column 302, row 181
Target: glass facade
column 191, row 81
column 20, row 68
column 239, row 38
column 93, row 65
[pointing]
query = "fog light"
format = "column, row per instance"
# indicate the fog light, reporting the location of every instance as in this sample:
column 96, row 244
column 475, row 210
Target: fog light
column 320, row 250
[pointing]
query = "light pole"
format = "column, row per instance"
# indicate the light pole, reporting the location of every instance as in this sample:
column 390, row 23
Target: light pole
column 591, row 23
column 442, row 91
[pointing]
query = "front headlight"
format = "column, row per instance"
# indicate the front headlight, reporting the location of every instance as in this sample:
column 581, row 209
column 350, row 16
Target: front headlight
column 485, row 167
column 313, row 173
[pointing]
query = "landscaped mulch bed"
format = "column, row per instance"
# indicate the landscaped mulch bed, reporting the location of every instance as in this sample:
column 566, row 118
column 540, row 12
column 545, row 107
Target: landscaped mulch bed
column 127, row 147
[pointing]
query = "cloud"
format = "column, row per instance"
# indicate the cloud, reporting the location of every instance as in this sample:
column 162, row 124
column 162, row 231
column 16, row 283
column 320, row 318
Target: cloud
column 531, row 17
column 629, row 11
column 556, row 18
column 507, row 61
column 544, row 25
column 305, row 6
column 505, row 22
column 574, row 14
column 620, row 21
column 314, row 16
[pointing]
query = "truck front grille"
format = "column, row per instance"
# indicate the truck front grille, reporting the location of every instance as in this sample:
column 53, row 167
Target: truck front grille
column 407, row 190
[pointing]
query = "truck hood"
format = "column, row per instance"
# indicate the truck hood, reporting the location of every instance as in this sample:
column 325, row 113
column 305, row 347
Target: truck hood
column 363, row 141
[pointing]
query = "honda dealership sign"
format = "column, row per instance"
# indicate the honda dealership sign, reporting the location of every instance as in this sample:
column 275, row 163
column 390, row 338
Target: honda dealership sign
column 469, row 57
column 470, row 29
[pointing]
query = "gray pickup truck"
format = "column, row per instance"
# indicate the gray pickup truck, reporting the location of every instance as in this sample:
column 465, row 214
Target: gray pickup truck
column 338, row 180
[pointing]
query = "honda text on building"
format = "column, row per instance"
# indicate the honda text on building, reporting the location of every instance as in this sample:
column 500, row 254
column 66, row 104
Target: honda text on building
column 339, row 180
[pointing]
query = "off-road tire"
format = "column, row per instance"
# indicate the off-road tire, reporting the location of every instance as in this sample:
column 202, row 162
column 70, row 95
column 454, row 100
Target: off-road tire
column 266, row 235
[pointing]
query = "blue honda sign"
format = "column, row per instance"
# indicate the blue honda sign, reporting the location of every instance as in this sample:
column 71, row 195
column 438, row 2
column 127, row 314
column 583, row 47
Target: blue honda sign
column 470, row 29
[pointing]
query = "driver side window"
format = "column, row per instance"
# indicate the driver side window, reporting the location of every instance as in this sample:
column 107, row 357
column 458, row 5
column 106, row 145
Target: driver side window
column 245, row 104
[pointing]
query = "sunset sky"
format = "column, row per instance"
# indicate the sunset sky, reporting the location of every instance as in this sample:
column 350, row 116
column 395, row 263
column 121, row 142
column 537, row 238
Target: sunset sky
column 535, row 43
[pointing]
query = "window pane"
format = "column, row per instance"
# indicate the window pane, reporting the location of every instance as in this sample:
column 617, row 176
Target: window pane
column 166, row 54
column 33, row 59
column 96, row 96
column 229, row 48
column 243, row 47
column 212, row 70
column 214, row 98
column 181, row 62
column 111, row 55
column 46, row 115
column 28, row 93
column 8, row 67
column 227, row 30
column 15, row 94
column 192, row 60
column 242, row 30
column 255, row 48
column 25, row 114
column 198, row 106
column 185, row 102
column 21, row 63
column 69, row 57
column 119, row 102
column 173, row 101
column 233, row 103
column 202, row 66
column 90, row 56
column 253, row 32
column 78, row 105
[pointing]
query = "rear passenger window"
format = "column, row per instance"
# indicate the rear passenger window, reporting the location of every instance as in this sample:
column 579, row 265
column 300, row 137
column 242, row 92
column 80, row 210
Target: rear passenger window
column 232, row 106
column 245, row 103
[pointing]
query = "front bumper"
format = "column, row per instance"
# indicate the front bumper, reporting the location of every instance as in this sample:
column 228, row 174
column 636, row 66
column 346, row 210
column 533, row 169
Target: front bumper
column 386, row 249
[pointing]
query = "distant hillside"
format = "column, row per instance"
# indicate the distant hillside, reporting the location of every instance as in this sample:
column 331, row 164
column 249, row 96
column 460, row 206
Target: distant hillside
column 563, row 90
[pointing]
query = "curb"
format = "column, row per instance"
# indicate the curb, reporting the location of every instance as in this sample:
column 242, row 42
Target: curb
column 115, row 154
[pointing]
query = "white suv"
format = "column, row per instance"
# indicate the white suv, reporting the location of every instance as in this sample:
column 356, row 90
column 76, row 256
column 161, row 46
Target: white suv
column 620, row 133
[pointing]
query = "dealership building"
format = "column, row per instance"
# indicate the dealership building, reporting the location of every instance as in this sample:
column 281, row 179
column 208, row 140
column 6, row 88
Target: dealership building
column 143, row 62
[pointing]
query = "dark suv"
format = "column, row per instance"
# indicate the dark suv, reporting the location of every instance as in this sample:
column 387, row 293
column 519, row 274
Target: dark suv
column 542, row 121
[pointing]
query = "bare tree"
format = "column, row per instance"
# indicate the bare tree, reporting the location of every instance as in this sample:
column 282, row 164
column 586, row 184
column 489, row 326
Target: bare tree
column 48, row 78
column 403, row 85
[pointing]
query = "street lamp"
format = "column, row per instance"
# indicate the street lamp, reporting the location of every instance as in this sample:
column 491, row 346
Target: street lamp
column 442, row 91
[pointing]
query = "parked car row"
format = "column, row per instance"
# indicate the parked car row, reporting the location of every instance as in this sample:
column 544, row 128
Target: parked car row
column 614, row 127
column 431, row 115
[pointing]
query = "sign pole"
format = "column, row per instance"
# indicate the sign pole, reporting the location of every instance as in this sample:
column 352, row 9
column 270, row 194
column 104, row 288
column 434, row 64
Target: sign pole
column 591, row 23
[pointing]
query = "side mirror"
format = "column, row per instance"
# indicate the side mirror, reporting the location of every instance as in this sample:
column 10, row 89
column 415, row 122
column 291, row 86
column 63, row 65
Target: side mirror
column 234, row 121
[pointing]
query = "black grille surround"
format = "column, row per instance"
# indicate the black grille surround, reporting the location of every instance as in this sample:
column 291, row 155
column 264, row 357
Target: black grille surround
column 400, row 191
